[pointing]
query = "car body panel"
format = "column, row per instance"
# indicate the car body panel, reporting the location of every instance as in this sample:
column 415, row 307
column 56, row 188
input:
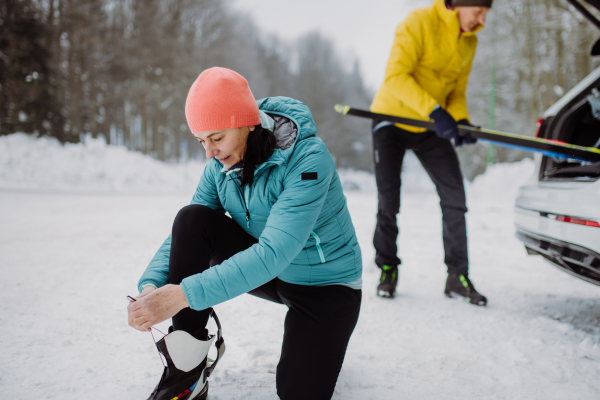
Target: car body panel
column 573, row 199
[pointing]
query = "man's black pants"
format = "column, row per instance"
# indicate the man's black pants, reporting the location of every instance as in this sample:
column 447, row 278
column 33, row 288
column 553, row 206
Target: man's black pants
column 441, row 163
column 319, row 321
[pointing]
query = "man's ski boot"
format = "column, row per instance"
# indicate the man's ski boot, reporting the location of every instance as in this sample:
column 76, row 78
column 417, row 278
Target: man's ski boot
column 185, row 376
column 459, row 285
column 388, row 282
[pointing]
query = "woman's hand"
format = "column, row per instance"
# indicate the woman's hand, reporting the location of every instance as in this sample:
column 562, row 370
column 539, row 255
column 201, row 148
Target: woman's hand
column 155, row 305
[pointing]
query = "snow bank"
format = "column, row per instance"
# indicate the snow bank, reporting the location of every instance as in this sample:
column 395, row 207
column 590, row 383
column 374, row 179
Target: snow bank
column 502, row 181
column 414, row 178
column 43, row 163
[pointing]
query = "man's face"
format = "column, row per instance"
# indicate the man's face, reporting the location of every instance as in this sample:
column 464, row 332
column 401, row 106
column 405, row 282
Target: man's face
column 471, row 17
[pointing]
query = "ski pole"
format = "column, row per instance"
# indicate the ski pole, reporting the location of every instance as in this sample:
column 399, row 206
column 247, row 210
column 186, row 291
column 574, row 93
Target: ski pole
column 548, row 147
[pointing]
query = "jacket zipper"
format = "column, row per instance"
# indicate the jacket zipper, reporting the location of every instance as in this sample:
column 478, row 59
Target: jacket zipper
column 246, row 202
column 245, row 198
column 318, row 246
column 246, row 195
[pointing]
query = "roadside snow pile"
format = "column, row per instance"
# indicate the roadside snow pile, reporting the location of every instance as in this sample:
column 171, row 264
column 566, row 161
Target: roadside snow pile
column 502, row 181
column 414, row 178
column 43, row 163
column 357, row 181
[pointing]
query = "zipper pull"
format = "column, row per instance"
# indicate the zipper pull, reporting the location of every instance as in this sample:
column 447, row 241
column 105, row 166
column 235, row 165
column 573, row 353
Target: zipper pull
column 247, row 204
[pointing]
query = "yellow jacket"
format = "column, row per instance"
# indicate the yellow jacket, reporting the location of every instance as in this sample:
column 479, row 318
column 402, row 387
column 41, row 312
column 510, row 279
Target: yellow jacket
column 429, row 65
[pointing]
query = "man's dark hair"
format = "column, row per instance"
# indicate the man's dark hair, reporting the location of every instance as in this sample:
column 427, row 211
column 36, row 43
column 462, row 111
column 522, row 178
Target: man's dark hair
column 259, row 147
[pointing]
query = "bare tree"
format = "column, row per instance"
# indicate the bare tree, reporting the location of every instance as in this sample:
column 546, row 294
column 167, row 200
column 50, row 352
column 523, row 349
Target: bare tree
column 540, row 51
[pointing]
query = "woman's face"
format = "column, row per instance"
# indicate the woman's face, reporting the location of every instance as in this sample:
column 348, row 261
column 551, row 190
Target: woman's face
column 226, row 145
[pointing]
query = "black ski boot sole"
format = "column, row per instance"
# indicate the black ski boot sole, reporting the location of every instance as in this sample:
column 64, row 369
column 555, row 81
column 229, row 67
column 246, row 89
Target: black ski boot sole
column 200, row 396
column 203, row 394
column 454, row 295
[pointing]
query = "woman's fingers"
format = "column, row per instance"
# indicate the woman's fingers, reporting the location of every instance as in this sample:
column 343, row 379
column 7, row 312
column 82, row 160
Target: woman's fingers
column 137, row 310
column 156, row 306
column 146, row 313
column 135, row 306
column 146, row 326
column 140, row 312
column 142, row 322
column 138, row 315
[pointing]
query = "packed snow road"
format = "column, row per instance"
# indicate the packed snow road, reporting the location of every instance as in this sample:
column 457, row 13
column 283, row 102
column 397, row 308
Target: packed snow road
column 68, row 260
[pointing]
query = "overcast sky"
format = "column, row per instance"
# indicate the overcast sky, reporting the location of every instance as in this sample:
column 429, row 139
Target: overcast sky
column 360, row 29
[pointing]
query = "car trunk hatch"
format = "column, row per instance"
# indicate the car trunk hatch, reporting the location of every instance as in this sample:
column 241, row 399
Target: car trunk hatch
column 577, row 123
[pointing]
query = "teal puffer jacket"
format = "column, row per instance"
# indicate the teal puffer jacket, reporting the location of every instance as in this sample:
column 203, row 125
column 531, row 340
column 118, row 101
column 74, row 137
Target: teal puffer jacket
column 295, row 208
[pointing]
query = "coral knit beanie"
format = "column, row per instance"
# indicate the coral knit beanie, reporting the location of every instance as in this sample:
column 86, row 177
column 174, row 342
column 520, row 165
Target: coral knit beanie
column 219, row 99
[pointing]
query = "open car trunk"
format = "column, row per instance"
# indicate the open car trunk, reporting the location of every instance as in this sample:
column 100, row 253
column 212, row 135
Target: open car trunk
column 578, row 123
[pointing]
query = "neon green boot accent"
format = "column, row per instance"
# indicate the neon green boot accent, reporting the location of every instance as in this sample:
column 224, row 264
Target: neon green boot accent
column 385, row 270
column 388, row 281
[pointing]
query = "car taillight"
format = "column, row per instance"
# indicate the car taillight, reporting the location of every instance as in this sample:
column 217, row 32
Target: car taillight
column 578, row 221
column 539, row 126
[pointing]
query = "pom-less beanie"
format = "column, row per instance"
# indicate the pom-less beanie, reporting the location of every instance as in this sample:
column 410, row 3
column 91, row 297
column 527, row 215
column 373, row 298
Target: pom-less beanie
column 219, row 99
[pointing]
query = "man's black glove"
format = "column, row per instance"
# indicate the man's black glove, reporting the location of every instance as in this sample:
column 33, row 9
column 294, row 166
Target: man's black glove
column 466, row 139
column 445, row 126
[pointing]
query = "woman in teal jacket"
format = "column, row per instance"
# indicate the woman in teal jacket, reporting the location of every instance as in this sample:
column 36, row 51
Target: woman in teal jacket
column 268, row 218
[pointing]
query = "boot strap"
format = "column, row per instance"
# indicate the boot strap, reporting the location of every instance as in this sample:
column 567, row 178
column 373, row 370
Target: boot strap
column 219, row 344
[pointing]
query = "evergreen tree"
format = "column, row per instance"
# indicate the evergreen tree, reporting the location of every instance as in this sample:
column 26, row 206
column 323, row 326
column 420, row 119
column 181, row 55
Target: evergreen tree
column 28, row 97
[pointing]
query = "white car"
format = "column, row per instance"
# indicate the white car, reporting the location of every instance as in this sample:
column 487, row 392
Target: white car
column 557, row 212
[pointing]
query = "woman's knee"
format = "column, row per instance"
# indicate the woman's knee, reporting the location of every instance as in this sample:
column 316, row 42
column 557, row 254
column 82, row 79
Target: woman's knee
column 192, row 216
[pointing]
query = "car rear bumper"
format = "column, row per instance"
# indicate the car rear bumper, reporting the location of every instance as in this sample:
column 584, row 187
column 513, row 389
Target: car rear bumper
column 546, row 224
column 568, row 257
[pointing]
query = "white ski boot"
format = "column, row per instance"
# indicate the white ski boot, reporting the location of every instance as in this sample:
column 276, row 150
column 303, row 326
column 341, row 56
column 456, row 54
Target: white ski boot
column 185, row 376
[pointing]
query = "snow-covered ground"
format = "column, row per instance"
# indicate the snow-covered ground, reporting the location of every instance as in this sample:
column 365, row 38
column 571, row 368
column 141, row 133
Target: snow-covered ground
column 78, row 225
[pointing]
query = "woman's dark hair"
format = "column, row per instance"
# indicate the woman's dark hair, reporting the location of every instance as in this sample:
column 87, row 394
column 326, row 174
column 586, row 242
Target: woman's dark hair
column 259, row 147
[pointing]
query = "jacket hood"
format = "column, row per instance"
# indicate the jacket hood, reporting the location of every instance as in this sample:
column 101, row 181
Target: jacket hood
column 285, row 131
column 292, row 109
column 450, row 18
column 283, row 110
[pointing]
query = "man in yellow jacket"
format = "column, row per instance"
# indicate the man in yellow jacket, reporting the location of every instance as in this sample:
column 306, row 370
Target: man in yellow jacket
column 426, row 78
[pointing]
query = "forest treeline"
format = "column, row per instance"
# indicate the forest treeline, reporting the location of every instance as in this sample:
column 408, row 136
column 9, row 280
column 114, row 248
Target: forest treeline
column 539, row 51
column 122, row 69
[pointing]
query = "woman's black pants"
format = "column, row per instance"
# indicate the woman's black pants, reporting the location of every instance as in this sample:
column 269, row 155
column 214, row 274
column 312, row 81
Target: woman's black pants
column 319, row 321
